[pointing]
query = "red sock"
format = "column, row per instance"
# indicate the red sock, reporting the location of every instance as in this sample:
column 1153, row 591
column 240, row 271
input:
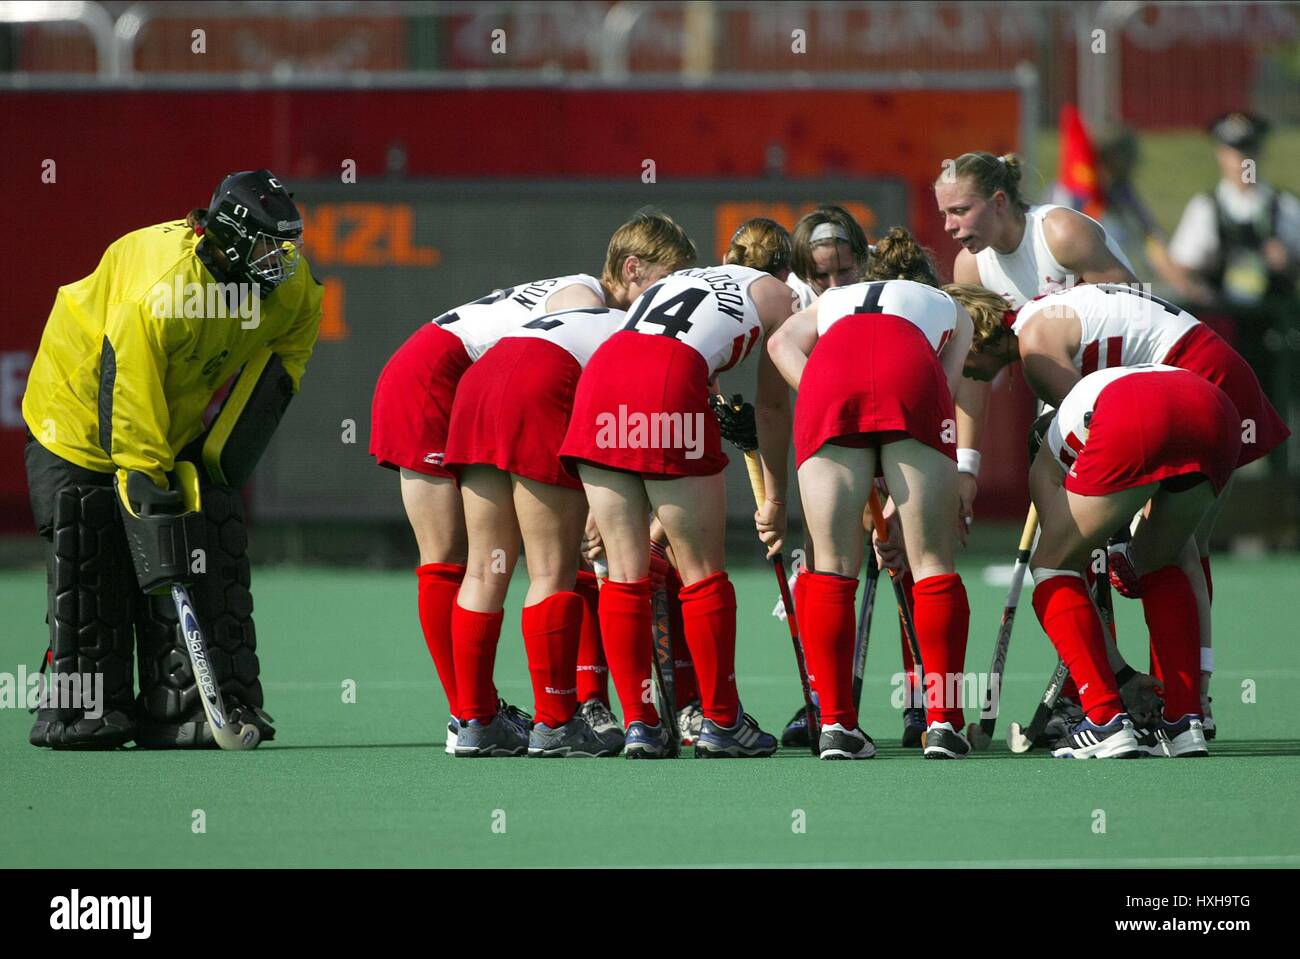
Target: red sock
column 942, row 617
column 552, row 629
column 1071, row 622
column 1209, row 580
column 625, row 627
column 685, row 689
column 827, row 630
column 709, row 623
column 593, row 672
column 475, row 646
column 915, row 697
column 438, row 585
column 1169, row 606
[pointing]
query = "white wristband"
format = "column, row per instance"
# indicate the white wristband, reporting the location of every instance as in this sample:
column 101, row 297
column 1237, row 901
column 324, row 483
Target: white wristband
column 968, row 461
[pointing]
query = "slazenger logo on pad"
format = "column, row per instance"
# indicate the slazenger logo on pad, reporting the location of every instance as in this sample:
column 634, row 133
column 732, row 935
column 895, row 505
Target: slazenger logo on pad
column 102, row 913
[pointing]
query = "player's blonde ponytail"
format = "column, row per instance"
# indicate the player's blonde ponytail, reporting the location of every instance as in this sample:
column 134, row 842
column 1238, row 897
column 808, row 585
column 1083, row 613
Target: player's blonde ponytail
column 760, row 244
column 897, row 256
column 988, row 312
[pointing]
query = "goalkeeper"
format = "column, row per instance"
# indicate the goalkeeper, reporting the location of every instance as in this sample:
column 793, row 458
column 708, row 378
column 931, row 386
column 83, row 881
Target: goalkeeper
column 130, row 488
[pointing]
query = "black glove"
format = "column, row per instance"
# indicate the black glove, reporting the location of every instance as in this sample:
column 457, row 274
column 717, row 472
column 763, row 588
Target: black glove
column 1038, row 433
column 736, row 418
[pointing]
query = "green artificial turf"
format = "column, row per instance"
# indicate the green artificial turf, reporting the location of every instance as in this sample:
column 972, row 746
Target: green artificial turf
column 367, row 784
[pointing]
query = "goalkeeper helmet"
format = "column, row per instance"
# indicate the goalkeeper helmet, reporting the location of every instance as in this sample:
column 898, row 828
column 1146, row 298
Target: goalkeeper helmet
column 253, row 221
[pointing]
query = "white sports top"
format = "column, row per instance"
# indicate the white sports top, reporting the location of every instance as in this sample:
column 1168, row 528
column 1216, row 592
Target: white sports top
column 1068, row 433
column 709, row 309
column 1031, row 270
column 1120, row 325
column 804, row 291
column 580, row 332
column 931, row 311
column 481, row 323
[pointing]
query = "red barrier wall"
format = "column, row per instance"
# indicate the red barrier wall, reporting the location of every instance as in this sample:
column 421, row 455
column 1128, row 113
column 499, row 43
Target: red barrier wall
column 122, row 160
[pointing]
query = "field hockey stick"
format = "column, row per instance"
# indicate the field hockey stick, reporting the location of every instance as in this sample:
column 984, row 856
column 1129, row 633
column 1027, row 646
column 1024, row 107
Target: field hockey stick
column 863, row 636
column 248, row 735
column 755, row 469
column 900, row 594
column 981, row 735
column 1019, row 741
column 664, row 664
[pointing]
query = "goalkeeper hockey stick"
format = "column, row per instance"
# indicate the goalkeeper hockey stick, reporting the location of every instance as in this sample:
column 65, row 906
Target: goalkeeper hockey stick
column 225, row 735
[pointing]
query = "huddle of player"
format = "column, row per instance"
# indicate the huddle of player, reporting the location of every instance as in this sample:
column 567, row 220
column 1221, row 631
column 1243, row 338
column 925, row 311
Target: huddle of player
column 573, row 415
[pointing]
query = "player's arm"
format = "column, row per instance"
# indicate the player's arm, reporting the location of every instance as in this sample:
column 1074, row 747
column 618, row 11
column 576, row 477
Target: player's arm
column 772, row 413
column 953, row 359
column 791, row 345
column 1079, row 245
column 134, row 418
column 242, row 428
column 971, row 399
column 575, row 296
column 1047, row 357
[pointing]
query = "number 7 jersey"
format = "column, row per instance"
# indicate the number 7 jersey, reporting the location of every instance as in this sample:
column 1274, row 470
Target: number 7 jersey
column 709, row 309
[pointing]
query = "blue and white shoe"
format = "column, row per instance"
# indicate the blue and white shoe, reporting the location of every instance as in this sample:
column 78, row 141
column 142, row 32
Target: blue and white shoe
column 1184, row 739
column 643, row 741
column 1115, row 740
column 515, row 716
column 499, row 736
column 576, row 739
column 741, row 741
column 453, row 729
column 913, row 727
column 795, row 734
column 944, row 742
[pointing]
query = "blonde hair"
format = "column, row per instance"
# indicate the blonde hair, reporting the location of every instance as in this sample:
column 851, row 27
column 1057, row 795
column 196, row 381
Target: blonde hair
column 801, row 258
column 989, row 174
column 988, row 312
column 760, row 244
column 897, row 256
column 651, row 236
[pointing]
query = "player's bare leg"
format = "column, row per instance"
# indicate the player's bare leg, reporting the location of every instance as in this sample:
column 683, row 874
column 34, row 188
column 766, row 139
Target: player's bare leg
column 834, row 485
column 437, row 518
column 922, row 483
column 487, row 726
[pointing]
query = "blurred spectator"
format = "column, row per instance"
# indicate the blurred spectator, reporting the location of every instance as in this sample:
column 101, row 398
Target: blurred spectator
column 1237, row 251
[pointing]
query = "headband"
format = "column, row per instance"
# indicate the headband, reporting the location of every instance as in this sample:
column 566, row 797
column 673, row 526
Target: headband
column 829, row 231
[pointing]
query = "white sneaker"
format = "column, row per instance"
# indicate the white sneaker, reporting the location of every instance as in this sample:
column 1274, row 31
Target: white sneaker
column 453, row 727
column 1184, row 739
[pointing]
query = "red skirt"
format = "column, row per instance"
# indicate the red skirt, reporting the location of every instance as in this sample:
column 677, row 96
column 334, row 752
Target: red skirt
column 1149, row 427
column 872, row 379
column 1205, row 353
column 643, row 406
column 512, row 410
column 409, row 414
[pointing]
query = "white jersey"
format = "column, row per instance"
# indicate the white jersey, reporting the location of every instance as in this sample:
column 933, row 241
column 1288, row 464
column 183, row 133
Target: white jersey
column 1068, row 434
column 1119, row 325
column 1031, row 270
column 931, row 311
column 580, row 332
column 804, row 292
column 481, row 323
column 709, row 309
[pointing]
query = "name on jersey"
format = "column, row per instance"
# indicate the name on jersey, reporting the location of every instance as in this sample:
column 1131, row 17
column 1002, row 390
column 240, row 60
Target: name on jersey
column 726, row 292
column 529, row 296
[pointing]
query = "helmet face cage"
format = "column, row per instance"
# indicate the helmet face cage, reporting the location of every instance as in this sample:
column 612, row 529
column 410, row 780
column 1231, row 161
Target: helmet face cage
column 257, row 245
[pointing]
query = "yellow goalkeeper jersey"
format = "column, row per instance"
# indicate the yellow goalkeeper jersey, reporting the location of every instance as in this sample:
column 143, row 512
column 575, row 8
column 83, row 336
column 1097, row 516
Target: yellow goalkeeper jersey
column 132, row 354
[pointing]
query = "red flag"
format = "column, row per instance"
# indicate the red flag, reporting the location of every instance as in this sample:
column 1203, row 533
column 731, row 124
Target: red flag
column 1077, row 173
